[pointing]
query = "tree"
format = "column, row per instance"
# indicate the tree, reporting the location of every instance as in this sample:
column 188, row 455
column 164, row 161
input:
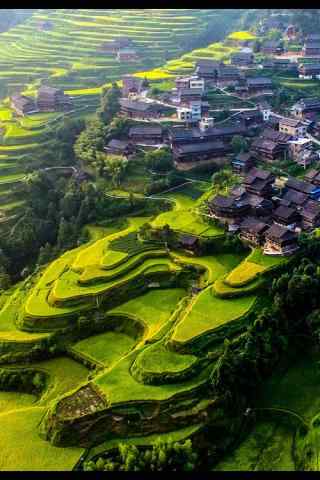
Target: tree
column 239, row 144
column 90, row 141
column 160, row 159
column 222, row 179
column 114, row 167
column 109, row 104
column 45, row 254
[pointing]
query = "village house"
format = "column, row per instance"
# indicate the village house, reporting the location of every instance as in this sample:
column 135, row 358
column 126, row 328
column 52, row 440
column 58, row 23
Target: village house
column 187, row 95
column 242, row 59
column 276, row 136
column 287, row 216
column 305, row 187
column 190, row 243
column 259, row 85
column 228, row 210
column 309, row 71
column 313, row 176
column 22, row 105
column 306, row 105
column 52, row 99
column 267, row 150
column 204, row 134
column 311, row 48
column 133, row 85
column 227, row 75
column 285, row 64
column 272, row 47
column 299, row 148
column 252, row 118
column 127, row 54
column 139, row 109
column 259, row 182
column 194, row 81
column 280, row 241
column 265, row 109
column 310, row 215
column 207, row 72
column 242, row 163
column 252, row 231
column 293, row 198
column 190, row 114
column 113, row 46
column 292, row 126
column 120, row 147
column 148, row 134
column 194, row 152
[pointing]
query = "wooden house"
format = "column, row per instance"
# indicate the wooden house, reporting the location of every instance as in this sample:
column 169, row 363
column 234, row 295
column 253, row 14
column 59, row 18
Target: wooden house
column 306, row 105
column 52, row 99
column 272, row 47
column 120, row 147
column 259, row 84
column 190, row 243
column 243, row 162
column 259, row 182
column 230, row 209
column 252, row 231
column 310, row 215
column 23, row 105
column 313, row 176
column 193, row 152
column 279, row 240
column 267, row 150
column 242, row 59
column 127, row 55
column 285, row 215
column 140, row 109
column 133, row 85
column 146, row 134
column 295, row 199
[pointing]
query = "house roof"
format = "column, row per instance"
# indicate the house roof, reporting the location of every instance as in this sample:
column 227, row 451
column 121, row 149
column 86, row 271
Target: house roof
column 261, row 174
column 180, row 134
column 118, row 144
column 264, row 144
column 297, row 198
column 136, row 105
column 256, row 81
column 277, row 232
column 284, row 212
column 188, row 240
column 47, row 90
column 275, row 136
column 200, row 147
column 256, row 201
column 312, row 175
column 21, row 100
column 291, row 122
column 244, row 157
column 253, row 225
column 308, row 102
column 146, row 130
column 300, row 185
column 191, row 91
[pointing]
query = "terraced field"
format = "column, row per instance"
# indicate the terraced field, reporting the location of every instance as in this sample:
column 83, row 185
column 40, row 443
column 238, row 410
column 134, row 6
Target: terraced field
column 139, row 324
column 69, row 55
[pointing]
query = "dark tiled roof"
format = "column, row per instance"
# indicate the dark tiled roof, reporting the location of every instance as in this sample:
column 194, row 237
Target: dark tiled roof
column 191, row 91
column 312, row 175
column 275, row 136
column 21, row 101
column 118, row 144
column 136, row 105
column 256, row 81
column 261, row 174
column 224, row 202
column 300, row 185
column 180, row 134
column 292, row 196
column 188, row 240
column 284, row 212
column 200, row 147
column 253, row 225
column 45, row 89
column 146, row 130
column 264, row 144
column 277, row 232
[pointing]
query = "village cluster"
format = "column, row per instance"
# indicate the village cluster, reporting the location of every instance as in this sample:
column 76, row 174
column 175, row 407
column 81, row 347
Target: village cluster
column 265, row 211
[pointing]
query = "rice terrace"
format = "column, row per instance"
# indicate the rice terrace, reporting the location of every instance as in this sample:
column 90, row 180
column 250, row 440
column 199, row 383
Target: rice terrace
column 159, row 240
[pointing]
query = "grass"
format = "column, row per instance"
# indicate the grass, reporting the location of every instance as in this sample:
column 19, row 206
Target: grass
column 244, row 273
column 106, row 347
column 14, row 401
column 22, row 449
column 153, row 309
column 208, row 313
column 120, row 387
column 157, row 359
column 267, row 448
